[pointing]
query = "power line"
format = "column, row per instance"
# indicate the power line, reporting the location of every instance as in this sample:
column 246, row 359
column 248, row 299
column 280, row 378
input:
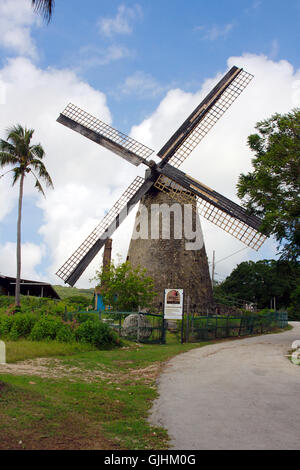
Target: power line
column 235, row 253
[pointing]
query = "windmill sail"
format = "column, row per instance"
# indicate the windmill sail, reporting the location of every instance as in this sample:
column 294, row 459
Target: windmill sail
column 105, row 135
column 204, row 117
column 213, row 206
column 73, row 268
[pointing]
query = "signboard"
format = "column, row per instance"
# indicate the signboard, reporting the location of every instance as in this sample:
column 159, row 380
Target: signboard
column 173, row 304
column 2, row 353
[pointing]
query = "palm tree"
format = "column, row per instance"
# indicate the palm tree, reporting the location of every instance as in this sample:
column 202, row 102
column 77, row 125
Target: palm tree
column 26, row 158
column 45, row 7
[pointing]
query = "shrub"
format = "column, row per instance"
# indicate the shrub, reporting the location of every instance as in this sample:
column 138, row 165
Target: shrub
column 96, row 333
column 294, row 308
column 5, row 325
column 83, row 317
column 22, row 324
column 46, row 328
column 65, row 334
column 80, row 301
column 266, row 311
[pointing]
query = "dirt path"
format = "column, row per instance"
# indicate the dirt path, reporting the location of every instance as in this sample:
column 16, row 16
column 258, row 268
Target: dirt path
column 50, row 368
column 237, row 395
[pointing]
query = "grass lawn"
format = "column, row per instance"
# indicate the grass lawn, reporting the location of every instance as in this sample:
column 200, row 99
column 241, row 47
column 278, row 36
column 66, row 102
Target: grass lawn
column 81, row 398
column 23, row 349
column 91, row 400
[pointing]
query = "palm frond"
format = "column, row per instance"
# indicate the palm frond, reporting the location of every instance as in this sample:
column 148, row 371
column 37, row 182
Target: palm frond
column 44, row 7
column 37, row 151
column 16, row 137
column 17, row 173
column 7, row 147
column 38, row 185
column 39, row 166
column 28, row 133
column 15, row 132
column 7, row 158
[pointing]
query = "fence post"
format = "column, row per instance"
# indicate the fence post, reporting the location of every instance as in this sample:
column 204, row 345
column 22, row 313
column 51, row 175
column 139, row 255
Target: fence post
column 138, row 328
column 240, row 328
column 251, row 324
column 163, row 333
column 187, row 319
column 182, row 328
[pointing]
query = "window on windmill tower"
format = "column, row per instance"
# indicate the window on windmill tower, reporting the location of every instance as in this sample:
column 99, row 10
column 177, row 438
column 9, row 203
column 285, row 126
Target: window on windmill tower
column 173, row 297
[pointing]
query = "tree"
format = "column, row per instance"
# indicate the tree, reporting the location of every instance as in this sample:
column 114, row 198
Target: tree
column 44, row 7
column 272, row 190
column 26, row 158
column 294, row 309
column 260, row 282
column 125, row 288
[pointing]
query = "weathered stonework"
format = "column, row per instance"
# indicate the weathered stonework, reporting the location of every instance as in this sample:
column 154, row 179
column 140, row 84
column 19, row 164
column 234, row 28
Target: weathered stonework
column 169, row 263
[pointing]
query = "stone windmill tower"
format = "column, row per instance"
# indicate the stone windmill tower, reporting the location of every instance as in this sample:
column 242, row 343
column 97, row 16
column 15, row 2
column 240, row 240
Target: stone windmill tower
column 167, row 260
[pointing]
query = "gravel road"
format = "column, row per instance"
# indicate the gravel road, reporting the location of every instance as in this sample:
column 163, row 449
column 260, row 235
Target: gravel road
column 242, row 394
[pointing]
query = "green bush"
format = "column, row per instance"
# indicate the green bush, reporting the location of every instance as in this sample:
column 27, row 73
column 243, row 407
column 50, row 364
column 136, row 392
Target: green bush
column 80, row 301
column 17, row 326
column 83, row 317
column 46, row 328
column 294, row 308
column 38, row 305
column 22, row 325
column 65, row 334
column 266, row 311
column 5, row 325
column 96, row 333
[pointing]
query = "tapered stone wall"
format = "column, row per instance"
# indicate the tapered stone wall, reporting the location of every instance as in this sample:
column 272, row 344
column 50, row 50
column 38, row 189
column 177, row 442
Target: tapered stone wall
column 168, row 261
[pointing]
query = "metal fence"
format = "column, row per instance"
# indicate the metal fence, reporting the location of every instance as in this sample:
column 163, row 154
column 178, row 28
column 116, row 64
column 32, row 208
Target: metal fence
column 205, row 328
column 151, row 328
column 134, row 326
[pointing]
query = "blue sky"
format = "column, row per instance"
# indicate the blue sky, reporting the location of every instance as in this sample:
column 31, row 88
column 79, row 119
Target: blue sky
column 172, row 43
column 141, row 66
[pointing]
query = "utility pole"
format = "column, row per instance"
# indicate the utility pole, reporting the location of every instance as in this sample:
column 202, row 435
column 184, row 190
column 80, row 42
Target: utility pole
column 213, row 269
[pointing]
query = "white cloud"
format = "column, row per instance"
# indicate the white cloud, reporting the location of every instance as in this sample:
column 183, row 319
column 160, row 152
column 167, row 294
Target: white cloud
column 31, row 257
column 16, row 20
column 255, row 5
column 122, row 22
column 141, row 84
column 90, row 56
column 274, row 49
column 215, row 32
column 89, row 179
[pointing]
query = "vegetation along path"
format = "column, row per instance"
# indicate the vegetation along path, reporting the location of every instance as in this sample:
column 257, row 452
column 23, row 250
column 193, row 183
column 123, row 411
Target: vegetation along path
column 241, row 394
